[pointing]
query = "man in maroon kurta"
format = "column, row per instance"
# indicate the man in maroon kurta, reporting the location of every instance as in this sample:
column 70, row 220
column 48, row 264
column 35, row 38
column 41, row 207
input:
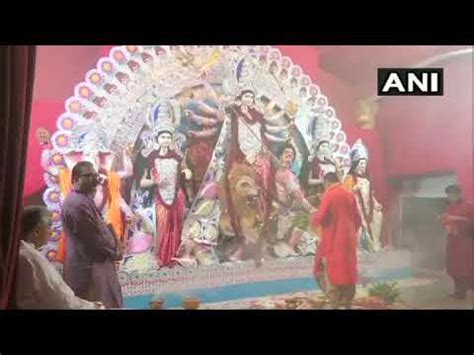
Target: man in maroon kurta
column 335, row 265
column 459, row 223
column 92, row 247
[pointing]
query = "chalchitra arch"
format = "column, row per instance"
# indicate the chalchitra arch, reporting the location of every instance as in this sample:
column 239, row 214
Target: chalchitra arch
column 196, row 95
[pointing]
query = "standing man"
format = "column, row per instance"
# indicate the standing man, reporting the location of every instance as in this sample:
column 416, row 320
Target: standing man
column 92, row 246
column 335, row 266
column 458, row 221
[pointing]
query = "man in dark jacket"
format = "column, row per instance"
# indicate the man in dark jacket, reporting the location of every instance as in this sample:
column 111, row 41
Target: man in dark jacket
column 92, row 247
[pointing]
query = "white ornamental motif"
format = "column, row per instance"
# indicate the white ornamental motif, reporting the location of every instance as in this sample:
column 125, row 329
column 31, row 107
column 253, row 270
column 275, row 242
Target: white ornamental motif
column 249, row 141
column 168, row 170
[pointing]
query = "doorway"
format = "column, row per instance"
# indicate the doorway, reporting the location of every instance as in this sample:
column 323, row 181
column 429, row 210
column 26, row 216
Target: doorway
column 421, row 202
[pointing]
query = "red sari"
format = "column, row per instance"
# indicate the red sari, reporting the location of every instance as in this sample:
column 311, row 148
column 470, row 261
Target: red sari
column 340, row 220
column 169, row 206
column 460, row 247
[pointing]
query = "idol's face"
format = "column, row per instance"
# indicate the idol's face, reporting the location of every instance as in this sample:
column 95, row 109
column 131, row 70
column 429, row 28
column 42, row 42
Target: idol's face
column 247, row 99
column 324, row 150
column 287, row 156
column 165, row 139
column 361, row 168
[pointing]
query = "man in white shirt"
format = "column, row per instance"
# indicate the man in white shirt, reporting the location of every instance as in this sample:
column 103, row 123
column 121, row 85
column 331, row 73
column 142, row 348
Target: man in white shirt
column 39, row 285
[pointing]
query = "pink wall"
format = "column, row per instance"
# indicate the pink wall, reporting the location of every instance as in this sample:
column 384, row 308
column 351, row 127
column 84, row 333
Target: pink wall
column 343, row 98
column 433, row 134
column 307, row 57
column 58, row 70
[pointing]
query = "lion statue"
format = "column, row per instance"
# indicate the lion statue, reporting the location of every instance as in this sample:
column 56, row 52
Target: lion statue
column 244, row 195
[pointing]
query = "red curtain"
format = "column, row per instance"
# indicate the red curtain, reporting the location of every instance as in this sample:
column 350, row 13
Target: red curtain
column 17, row 71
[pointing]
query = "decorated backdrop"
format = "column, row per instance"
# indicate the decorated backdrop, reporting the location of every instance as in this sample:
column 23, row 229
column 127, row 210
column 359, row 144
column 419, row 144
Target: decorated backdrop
column 206, row 155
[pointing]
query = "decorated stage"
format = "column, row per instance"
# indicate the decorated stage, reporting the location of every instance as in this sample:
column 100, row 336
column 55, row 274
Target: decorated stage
column 240, row 281
column 210, row 158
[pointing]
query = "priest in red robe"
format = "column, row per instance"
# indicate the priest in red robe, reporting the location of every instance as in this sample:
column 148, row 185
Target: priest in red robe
column 335, row 265
column 458, row 220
